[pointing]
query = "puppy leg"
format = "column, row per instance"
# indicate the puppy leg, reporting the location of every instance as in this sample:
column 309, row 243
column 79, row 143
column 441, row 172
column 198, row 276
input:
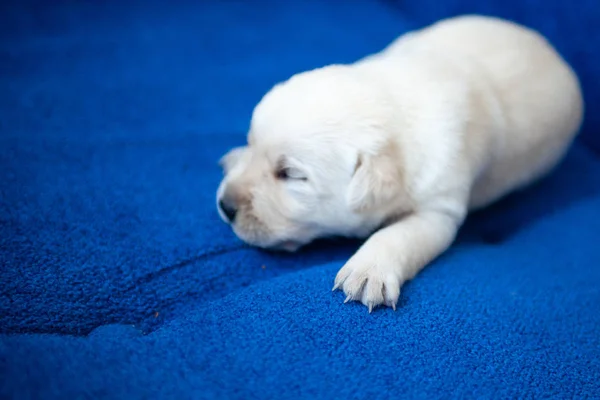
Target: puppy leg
column 395, row 254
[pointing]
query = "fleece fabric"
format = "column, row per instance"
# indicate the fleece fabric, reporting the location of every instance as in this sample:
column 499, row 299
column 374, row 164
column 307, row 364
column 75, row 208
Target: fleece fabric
column 118, row 280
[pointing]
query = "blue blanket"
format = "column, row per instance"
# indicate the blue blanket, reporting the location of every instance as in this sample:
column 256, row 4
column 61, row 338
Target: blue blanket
column 118, row 280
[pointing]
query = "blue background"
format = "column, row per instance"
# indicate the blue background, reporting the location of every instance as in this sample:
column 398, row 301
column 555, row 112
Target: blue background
column 118, row 279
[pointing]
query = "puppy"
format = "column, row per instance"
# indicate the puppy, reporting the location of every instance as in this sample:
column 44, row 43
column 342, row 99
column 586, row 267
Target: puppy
column 400, row 146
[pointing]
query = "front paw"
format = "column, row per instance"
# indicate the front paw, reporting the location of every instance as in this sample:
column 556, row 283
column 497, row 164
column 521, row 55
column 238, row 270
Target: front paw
column 371, row 278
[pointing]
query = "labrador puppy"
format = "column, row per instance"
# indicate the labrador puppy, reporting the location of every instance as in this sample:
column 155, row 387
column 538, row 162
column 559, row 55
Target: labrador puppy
column 400, row 146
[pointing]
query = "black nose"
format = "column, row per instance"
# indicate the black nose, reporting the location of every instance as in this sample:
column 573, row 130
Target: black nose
column 228, row 209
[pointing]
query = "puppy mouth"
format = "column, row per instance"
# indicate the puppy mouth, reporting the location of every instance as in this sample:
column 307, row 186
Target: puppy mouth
column 252, row 231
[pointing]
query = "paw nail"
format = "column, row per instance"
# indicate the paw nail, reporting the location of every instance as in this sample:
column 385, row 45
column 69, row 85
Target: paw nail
column 347, row 299
column 370, row 308
column 335, row 287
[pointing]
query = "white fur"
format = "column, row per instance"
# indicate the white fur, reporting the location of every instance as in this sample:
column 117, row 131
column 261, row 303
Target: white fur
column 399, row 146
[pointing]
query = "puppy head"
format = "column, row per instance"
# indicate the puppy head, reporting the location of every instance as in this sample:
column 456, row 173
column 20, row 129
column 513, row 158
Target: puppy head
column 318, row 163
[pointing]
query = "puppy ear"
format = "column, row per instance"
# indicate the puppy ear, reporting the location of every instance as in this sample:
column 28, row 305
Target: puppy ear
column 228, row 161
column 377, row 181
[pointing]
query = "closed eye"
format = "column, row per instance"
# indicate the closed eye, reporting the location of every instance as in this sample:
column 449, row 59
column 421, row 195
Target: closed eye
column 289, row 173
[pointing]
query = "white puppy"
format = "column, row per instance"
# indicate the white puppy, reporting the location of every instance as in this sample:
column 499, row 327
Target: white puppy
column 400, row 146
